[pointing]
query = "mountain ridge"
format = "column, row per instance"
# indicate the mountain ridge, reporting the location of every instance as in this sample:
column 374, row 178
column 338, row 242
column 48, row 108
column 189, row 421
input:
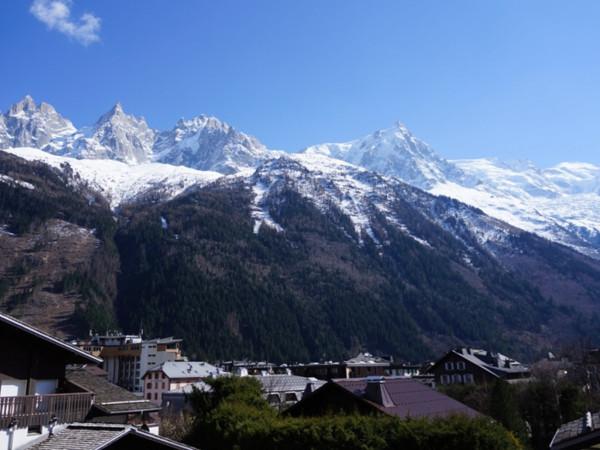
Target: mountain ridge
column 561, row 203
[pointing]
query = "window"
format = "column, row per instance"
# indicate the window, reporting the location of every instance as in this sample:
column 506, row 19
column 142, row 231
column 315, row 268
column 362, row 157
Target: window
column 457, row 378
column 149, row 396
column 449, row 365
column 291, row 397
column 34, row 429
column 149, row 386
column 273, row 399
column 468, row 378
column 156, row 385
column 460, row 365
column 163, row 384
column 445, row 379
column 155, row 396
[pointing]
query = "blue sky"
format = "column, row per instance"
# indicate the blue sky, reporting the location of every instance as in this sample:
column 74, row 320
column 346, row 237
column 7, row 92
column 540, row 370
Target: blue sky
column 506, row 78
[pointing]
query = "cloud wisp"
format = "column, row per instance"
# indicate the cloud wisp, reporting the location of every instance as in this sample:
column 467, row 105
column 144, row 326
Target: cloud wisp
column 56, row 14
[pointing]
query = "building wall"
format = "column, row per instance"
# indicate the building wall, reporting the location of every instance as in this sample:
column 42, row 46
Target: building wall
column 452, row 369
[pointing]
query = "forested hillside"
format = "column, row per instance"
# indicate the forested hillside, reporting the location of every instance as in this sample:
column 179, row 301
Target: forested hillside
column 198, row 268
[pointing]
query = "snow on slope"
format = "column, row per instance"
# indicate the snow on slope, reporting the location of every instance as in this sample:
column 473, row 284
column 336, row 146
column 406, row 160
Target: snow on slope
column 120, row 182
column 560, row 203
column 327, row 182
column 394, row 152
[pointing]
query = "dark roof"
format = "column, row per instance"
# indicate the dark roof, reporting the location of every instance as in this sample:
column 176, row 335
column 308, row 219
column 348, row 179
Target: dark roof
column 110, row 398
column 581, row 433
column 496, row 364
column 405, row 397
column 22, row 326
column 99, row 436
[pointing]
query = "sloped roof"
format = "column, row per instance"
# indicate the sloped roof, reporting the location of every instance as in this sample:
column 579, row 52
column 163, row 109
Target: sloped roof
column 87, row 436
column 286, row 383
column 187, row 369
column 22, row 326
column 409, row 398
column 110, row 398
column 366, row 359
column 496, row 363
column 581, row 433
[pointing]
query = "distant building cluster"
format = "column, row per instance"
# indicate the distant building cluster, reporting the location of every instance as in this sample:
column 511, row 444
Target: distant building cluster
column 112, row 391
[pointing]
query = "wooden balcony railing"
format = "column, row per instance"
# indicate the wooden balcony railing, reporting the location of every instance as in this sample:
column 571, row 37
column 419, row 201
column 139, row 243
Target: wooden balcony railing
column 34, row 410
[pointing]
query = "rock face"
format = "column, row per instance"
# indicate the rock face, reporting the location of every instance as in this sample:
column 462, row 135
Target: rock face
column 206, row 143
column 27, row 124
column 117, row 136
column 561, row 203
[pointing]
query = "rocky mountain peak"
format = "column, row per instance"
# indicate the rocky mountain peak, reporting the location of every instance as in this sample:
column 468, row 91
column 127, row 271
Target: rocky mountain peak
column 27, row 124
column 207, row 143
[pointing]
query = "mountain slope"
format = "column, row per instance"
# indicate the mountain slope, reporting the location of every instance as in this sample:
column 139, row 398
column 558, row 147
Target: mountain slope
column 561, row 203
column 337, row 265
column 306, row 258
column 59, row 262
column 121, row 183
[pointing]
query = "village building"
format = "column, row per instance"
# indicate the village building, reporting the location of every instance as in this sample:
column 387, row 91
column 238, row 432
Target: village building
column 362, row 365
column 33, row 391
column 92, row 436
column 468, row 365
column 175, row 375
column 128, row 357
column 245, row 367
column 177, row 401
column 583, row 433
column 282, row 390
column 112, row 403
column 400, row 397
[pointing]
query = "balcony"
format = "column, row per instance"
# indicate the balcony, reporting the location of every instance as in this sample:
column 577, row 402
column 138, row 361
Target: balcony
column 35, row 410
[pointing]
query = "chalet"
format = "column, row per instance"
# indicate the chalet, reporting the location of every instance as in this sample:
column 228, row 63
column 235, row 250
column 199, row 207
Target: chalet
column 362, row 365
column 92, row 436
column 112, row 403
column 282, row 391
column 401, row 397
column 579, row 434
column 34, row 395
column 174, row 375
column 469, row 365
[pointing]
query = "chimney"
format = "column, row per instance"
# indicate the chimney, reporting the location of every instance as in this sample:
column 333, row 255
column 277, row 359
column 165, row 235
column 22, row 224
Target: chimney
column 376, row 392
column 589, row 425
column 310, row 387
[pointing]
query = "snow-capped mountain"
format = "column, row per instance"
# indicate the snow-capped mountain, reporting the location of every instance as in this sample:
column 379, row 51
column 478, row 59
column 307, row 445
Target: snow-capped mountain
column 122, row 183
column 365, row 198
column 203, row 143
column 116, row 136
column 27, row 124
column 561, row 203
column 395, row 152
column 206, row 143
